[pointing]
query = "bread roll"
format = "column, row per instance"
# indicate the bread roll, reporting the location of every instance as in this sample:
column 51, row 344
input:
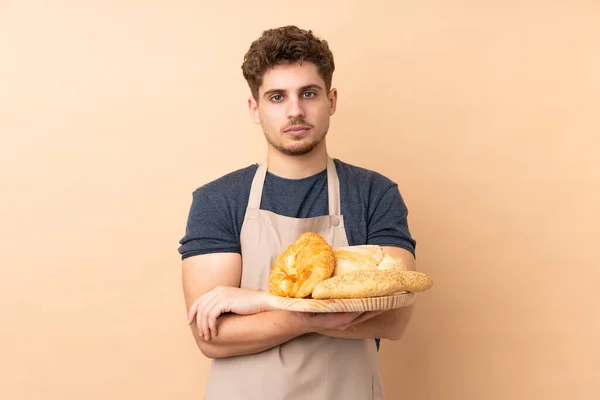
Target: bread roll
column 302, row 266
column 371, row 283
column 389, row 262
column 353, row 258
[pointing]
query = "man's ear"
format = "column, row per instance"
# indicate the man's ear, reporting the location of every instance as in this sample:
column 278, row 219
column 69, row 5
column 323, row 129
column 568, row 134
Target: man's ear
column 333, row 95
column 253, row 108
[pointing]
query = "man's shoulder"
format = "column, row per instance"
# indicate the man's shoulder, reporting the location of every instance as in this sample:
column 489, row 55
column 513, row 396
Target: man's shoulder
column 353, row 174
column 230, row 184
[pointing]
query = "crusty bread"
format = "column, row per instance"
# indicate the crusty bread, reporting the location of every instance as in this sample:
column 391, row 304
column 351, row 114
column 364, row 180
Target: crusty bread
column 389, row 262
column 302, row 266
column 363, row 257
column 371, row 283
column 353, row 258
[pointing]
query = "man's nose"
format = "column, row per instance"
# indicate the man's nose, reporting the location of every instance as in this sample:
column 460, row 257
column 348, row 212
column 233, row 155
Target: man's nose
column 295, row 109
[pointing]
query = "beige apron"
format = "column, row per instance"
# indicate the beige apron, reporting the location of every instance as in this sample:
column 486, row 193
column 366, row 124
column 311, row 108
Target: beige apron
column 309, row 367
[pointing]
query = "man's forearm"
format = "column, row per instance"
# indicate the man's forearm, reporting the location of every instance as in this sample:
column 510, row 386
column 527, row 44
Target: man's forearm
column 389, row 325
column 248, row 334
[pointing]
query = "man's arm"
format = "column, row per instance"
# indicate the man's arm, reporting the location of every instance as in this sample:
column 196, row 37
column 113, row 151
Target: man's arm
column 390, row 324
column 238, row 334
column 259, row 328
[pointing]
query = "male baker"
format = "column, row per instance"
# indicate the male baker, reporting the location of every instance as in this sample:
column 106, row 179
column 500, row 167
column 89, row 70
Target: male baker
column 239, row 223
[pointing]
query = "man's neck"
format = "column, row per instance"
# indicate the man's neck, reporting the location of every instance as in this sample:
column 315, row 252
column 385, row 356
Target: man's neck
column 297, row 167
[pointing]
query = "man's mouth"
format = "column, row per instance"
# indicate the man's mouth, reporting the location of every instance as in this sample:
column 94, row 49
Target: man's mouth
column 297, row 129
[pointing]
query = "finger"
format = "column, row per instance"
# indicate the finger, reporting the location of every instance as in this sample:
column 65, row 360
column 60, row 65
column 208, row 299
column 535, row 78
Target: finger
column 212, row 320
column 191, row 314
column 213, row 314
column 199, row 326
column 207, row 311
column 348, row 319
column 200, row 307
column 199, row 311
column 341, row 319
column 353, row 315
column 197, row 304
column 345, row 316
column 352, row 320
column 362, row 317
column 365, row 316
column 192, row 311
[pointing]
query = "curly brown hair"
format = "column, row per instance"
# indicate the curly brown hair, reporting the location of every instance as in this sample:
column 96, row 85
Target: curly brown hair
column 286, row 45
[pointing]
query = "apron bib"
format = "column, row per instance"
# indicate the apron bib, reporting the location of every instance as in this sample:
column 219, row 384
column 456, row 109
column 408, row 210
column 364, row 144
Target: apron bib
column 311, row 366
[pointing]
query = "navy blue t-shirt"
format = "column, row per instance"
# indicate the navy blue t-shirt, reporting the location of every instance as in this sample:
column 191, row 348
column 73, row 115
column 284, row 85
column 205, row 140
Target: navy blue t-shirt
column 373, row 209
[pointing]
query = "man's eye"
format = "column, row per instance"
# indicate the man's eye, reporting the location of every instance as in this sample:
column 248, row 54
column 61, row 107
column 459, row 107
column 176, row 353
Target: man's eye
column 309, row 94
column 277, row 97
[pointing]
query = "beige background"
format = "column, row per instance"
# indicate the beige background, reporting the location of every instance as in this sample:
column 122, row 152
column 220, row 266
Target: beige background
column 485, row 113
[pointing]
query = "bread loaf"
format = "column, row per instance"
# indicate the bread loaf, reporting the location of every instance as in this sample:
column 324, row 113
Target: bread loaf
column 353, row 258
column 371, row 283
column 389, row 262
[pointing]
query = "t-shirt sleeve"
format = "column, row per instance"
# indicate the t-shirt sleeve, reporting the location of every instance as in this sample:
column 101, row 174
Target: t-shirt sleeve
column 387, row 224
column 207, row 229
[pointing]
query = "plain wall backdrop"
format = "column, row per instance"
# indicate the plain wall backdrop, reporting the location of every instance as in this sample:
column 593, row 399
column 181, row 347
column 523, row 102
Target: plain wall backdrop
column 486, row 113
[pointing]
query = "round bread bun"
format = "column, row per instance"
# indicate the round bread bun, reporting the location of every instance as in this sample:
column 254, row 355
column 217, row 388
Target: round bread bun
column 302, row 266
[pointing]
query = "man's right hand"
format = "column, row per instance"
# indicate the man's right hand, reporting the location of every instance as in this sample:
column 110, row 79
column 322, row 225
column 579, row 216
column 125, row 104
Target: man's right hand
column 316, row 322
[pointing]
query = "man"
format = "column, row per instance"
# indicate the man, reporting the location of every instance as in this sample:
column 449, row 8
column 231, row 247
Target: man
column 238, row 224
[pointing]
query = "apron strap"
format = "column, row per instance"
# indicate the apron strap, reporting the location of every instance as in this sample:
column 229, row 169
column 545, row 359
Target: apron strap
column 256, row 189
column 333, row 188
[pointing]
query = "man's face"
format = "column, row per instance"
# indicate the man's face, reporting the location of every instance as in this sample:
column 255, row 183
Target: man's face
column 293, row 108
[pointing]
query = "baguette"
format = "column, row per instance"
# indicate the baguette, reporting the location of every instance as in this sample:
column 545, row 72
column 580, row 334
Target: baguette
column 371, row 283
